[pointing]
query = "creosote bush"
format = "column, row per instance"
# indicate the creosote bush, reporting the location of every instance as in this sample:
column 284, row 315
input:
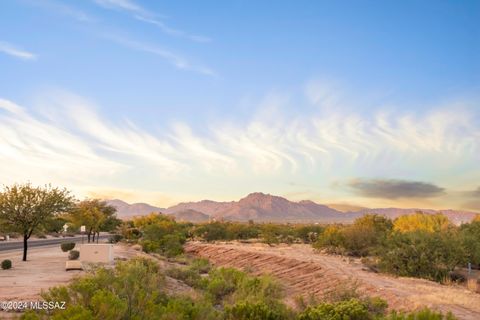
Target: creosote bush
column 73, row 255
column 67, row 246
column 6, row 264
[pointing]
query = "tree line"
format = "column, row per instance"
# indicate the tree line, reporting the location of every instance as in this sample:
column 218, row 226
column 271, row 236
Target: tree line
column 26, row 209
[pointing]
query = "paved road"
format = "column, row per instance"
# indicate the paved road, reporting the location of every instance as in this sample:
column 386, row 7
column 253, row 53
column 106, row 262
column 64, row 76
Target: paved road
column 13, row 245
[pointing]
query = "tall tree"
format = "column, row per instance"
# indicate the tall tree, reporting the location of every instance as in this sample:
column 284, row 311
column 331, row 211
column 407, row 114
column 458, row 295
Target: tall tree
column 24, row 207
column 96, row 215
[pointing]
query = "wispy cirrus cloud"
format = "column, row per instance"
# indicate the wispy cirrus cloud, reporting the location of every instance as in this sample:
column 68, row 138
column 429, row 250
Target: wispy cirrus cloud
column 61, row 8
column 72, row 142
column 140, row 13
column 14, row 51
column 175, row 59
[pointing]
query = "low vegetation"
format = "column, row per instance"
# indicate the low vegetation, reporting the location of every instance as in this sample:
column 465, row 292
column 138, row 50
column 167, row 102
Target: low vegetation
column 270, row 233
column 73, row 255
column 136, row 289
column 6, row 264
column 418, row 245
column 157, row 233
column 67, row 246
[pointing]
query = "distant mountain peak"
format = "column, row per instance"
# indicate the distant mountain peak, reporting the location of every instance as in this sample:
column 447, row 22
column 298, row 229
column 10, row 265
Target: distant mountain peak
column 259, row 206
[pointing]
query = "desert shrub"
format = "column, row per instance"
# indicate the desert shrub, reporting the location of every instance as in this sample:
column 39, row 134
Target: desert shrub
column 130, row 233
column 422, row 254
column 241, row 231
column 223, row 282
column 153, row 219
column 114, row 238
column 212, row 231
column 347, row 309
column 344, row 290
column 254, row 289
column 6, row 264
column 309, row 233
column 270, row 238
column 332, row 240
column 73, row 255
column 424, row 314
column 67, row 246
column 172, row 245
column 253, row 311
column 470, row 237
column 132, row 290
column 190, row 276
column 149, row 246
column 359, row 239
column 422, row 222
column 201, row 265
column 163, row 235
column 185, row 308
column 366, row 233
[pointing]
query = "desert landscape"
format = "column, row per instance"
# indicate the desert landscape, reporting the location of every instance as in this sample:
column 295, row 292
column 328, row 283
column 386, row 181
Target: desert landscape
column 306, row 273
column 239, row 160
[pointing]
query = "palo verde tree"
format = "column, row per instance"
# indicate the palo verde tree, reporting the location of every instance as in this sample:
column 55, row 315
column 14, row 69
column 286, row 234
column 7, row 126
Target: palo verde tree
column 96, row 215
column 24, row 207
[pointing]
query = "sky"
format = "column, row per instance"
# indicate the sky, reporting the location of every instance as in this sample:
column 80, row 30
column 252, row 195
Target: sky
column 367, row 103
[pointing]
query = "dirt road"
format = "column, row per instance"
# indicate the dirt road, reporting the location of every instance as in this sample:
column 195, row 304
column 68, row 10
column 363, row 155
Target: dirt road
column 305, row 273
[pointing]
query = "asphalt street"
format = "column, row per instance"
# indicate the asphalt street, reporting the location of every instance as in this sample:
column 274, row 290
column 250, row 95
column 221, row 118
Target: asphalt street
column 13, row 245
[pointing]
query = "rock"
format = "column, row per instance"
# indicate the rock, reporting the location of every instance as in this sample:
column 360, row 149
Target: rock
column 73, row 265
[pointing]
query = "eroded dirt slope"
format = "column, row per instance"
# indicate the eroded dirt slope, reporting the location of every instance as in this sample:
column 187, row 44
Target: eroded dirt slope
column 306, row 273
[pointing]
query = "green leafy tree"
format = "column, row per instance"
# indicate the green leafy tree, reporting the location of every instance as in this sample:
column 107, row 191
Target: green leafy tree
column 470, row 234
column 96, row 215
column 24, row 207
column 422, row 254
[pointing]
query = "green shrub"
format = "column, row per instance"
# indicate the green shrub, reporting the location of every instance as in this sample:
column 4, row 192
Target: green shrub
column 162, row 235
column 171, row 245
column 255, row 289
column 188, row 275
column 422, row 254
column 6, row 264
column 73, row 255
column 470, row 237
column 132, row 290
column 309, row 233
column 114, row 238
column 425, row 314
column 185, row 308
column 253, row 311
column 332, row 240
column 201, row 265
column 348, row 309
column 67, row 246
column 359, row 239
column 212, row 231
column 149, row 246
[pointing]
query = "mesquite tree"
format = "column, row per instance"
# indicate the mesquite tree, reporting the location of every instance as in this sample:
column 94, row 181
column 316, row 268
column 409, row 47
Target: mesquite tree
column 96, row 215
column 23, row 207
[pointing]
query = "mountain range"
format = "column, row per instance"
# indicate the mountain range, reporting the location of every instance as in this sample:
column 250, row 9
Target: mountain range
column 262, row 207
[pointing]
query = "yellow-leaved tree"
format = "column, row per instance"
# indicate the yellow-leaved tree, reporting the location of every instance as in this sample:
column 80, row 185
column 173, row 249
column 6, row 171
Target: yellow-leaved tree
column 421, row 221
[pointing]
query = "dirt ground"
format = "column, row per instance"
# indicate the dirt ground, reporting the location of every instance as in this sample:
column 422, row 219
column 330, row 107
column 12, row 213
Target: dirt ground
column 306, row 273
